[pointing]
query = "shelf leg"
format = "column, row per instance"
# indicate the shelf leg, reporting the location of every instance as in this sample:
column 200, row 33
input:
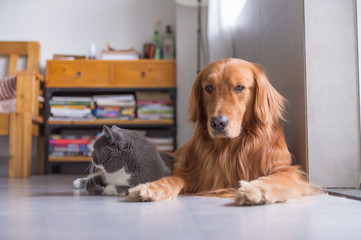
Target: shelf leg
column 40, row 155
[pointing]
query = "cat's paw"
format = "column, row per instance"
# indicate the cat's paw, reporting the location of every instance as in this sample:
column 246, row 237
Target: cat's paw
column 79, row 183
column 248, row 194
column 93, row 189
column 110, row 190
column 113, row 190
column 122, row 190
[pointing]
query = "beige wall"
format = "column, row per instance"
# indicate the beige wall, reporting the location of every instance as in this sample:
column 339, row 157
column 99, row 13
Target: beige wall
column 272, row 33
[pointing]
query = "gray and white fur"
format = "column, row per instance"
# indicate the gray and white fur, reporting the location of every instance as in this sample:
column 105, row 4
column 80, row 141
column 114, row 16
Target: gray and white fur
column 126, row 159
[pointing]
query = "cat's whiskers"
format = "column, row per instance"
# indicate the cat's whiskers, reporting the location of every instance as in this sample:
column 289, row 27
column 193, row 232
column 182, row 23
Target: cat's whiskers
column 90, row 164
column 91, row 171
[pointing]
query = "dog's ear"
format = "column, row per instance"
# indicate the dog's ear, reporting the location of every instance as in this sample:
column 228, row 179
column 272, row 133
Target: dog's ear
column 269, row 104
column 195, row 111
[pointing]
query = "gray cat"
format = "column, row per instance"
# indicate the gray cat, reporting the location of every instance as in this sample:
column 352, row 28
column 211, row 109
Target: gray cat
column 125, row 159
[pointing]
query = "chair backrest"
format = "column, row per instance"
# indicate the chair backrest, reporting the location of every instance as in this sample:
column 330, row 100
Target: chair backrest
column 15, row 49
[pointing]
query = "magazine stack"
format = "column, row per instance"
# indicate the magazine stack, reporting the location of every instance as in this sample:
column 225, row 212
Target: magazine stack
column 154, row 105
column 71, row 108
column 69, row 145
column 115, row 106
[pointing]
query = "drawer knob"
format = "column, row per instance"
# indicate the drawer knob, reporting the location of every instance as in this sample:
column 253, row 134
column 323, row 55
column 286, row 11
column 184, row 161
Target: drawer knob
column 142, row 74
column 77, row 75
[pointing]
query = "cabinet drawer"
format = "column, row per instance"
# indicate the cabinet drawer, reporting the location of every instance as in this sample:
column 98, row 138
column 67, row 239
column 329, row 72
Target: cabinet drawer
column 140, row 74
column 78, row 74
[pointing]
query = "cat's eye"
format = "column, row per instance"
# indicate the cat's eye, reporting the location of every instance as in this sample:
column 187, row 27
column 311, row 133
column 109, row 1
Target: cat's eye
column 209, row 89
column 238, row 89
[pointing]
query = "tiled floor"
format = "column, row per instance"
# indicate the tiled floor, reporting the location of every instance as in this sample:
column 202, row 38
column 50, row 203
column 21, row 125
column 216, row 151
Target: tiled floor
column 47, row 207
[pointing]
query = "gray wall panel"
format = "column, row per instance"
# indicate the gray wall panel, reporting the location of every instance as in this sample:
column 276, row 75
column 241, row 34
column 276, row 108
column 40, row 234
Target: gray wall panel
column 332, row 92
column 273, row 35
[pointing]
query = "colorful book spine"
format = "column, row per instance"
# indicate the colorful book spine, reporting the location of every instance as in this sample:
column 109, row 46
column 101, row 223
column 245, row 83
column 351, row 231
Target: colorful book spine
column 120, row 97
column 69, row 148
column 69, row 141
column 77, row 107
column 65, row 153
column 70, row 136
column 85, row 103
column 147, row 102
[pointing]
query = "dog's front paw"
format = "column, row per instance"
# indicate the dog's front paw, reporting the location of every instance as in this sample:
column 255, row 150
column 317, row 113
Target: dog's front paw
column 142, row 193
column 163, row 189
column 248, row 194
column 150, row 192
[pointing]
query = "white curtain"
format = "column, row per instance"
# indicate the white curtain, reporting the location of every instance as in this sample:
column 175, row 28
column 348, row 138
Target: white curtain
column 222, row 17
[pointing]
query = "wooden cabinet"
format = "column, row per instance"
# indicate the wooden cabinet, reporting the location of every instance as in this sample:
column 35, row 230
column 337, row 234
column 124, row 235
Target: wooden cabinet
column 77, row 74
column 99, row 73
column 94, row 77
column 147, row 74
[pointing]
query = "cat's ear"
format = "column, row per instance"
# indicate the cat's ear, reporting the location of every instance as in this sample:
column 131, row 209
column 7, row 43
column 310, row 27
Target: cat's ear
column 118, row 132
column 108, row 133
column 115, row 127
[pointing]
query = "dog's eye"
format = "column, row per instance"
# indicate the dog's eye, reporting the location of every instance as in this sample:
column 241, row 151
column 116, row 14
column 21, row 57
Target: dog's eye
column 238, row 89
column 208, row 88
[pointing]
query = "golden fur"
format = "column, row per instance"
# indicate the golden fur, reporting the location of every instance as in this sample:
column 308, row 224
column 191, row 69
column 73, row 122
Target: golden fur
column 249, row 159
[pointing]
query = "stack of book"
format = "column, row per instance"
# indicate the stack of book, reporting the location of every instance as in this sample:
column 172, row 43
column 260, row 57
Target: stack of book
column 164, row 144
column 71, row 108
column 161, row 139
column 129, row 54
column 69, row 145
column 115, row 106
column 154, row 105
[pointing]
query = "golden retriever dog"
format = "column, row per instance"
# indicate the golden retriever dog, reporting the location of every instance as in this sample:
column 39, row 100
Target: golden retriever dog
column 238, row 148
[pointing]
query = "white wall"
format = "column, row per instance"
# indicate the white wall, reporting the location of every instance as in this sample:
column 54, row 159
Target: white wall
column 272, row 33
column 332, row 92
column 69, row 27
column 186, row 25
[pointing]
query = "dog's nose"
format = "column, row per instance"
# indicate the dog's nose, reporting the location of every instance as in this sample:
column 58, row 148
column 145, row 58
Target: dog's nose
column 219, row 123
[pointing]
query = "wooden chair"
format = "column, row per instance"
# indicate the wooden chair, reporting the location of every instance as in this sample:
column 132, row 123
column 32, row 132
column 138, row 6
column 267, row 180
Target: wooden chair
column 26, row 120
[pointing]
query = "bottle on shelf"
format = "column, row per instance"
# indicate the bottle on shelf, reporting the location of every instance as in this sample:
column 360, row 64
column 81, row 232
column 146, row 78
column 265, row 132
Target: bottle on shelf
column 93, row 51
column 168, row 43
column 158, row 50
